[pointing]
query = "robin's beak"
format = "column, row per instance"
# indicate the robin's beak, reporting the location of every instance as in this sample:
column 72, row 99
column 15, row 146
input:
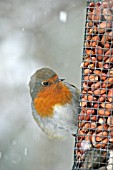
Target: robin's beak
column 61, row 79
column 58, row 80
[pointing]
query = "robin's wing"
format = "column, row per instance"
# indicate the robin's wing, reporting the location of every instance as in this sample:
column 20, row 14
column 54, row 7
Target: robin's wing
column 75, row 101
column 73, row 85
column 75, row 91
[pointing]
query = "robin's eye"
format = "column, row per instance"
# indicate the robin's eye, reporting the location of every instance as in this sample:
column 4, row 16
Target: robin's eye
column 45, row 83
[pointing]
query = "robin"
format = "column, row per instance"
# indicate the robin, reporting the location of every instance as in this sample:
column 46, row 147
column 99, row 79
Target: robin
column 54, row 103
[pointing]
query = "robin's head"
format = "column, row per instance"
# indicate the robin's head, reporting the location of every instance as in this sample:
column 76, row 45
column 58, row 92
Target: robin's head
column 41, row 79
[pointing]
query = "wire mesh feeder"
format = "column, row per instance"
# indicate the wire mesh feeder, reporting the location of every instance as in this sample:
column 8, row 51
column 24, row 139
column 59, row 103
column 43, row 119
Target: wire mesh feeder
column 94, row 139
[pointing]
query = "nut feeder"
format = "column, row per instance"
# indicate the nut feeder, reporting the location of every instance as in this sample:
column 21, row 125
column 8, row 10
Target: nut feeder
column 94, row 139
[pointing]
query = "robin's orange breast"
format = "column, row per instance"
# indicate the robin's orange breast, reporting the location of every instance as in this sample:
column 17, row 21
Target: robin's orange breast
column 56, row 94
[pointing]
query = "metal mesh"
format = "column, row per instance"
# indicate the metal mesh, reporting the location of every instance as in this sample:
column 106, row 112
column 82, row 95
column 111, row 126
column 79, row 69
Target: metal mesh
column 94, row 139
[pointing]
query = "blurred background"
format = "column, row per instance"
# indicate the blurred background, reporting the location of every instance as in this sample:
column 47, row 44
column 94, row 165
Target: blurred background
column 35, row 34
